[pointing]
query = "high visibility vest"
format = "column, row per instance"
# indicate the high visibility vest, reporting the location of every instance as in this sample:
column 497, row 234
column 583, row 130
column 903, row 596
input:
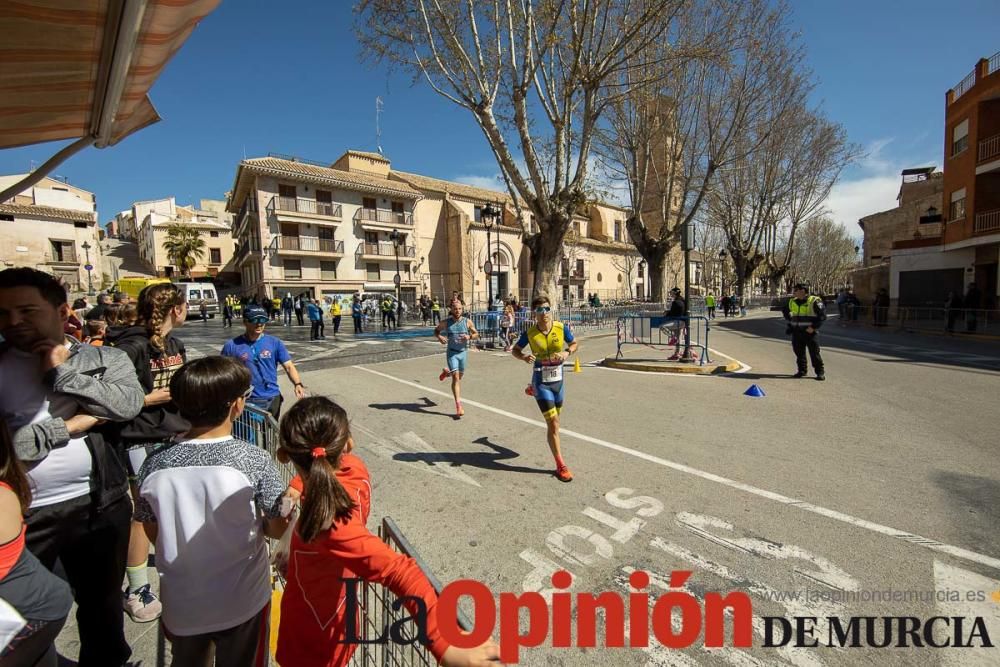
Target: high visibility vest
column 803, row 315
column 386, row 306
column 543, row 346
column 710, row 301
column 436, row 307
column 335, row 309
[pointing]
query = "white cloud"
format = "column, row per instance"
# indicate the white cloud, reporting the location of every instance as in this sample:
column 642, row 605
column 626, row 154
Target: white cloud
column 872, row 186
column 851, row 200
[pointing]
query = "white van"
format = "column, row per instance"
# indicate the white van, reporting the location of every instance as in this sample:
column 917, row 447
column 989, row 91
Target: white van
column 194, row 293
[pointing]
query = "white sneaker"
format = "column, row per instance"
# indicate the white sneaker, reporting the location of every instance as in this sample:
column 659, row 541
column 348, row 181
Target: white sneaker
column 141, row 605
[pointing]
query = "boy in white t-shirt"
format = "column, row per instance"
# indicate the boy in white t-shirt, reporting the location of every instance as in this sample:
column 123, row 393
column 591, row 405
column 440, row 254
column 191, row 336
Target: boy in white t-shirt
column 207, row 503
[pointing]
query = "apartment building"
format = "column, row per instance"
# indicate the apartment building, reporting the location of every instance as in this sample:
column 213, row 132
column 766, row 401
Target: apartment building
column 211, row 220
column 923, row 271
column 353, row 225
column 52, row 226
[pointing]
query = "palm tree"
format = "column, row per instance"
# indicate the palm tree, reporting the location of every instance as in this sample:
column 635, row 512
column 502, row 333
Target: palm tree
column 184, row 247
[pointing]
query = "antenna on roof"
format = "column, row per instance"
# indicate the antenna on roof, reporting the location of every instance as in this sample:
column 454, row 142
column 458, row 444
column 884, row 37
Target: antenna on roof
column 378, row 125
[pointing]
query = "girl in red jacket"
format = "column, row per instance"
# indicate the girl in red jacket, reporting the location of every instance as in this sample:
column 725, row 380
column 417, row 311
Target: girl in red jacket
column 331, row 543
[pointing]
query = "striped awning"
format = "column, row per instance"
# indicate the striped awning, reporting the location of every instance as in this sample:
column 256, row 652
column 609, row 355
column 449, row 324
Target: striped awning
column 81, row 69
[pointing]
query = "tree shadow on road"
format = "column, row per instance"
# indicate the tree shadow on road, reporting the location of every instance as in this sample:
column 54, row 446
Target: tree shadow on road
column 420, row 408
column 485, row 460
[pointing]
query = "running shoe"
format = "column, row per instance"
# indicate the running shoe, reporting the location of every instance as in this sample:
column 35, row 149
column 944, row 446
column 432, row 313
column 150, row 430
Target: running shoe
column 444, row 375
column 672, row 341
column 673, row 357
column 458, row 410
column 563, row 473
column 141, row 605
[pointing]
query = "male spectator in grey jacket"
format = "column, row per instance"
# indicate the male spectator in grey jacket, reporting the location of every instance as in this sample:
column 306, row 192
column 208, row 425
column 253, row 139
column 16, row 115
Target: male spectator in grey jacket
column 58, row 398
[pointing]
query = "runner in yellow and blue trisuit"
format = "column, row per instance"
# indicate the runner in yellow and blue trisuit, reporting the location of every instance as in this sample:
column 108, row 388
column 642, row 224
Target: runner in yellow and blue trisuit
column 551, row 344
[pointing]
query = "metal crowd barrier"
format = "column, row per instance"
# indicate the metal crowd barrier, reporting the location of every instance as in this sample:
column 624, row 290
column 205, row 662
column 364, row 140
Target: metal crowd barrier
column 377, row 606
column 689, row 332
column 959, row 320
column 579, row 318
column 259, row 428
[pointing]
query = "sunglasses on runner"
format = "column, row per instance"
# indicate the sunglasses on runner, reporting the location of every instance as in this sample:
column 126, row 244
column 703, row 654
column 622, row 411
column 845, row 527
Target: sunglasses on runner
column 259, row 320
column 541, row 310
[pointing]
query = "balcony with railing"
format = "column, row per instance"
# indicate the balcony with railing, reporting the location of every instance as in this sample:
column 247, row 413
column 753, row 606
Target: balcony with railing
column 989, row 149
column 573, row 276
column 244, row 250
column 306, row 244
column 304, row 206
column 380, row 217
column 987, row 222
column 385, row 251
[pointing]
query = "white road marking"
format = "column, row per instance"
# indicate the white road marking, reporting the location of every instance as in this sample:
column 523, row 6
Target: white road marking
column 934, row 545
column 948, row 578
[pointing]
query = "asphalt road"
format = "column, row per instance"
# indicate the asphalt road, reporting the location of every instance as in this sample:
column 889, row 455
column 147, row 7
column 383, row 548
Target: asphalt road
column 884, row 478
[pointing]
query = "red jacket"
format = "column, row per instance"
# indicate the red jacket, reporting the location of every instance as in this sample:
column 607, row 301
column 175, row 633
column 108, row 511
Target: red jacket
column 313, row 616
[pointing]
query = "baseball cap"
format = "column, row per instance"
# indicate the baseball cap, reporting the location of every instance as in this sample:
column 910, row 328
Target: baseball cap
column 801, row 286
column 255, row 314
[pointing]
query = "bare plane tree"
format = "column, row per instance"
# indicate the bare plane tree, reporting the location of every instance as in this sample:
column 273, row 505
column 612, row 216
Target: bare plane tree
column 539, row 73
column 697, row 105
column 815, row 152
column 749, row 199
column 824, row 256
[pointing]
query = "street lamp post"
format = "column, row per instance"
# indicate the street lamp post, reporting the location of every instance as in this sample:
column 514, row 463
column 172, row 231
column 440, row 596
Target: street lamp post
column 394, row 236
column 488, row 216
column 89, row 267
column 722, row 269
column 642, row 274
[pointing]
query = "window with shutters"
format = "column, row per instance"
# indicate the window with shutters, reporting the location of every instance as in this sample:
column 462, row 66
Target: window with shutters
column 960, row 138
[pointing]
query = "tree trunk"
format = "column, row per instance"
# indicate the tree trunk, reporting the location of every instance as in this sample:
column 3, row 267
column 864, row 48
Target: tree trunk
column 656, row 258
column 654, row 251
column 546, row 253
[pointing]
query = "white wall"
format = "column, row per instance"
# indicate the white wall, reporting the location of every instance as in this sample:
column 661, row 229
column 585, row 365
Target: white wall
column 928, row 260
column 61, row 199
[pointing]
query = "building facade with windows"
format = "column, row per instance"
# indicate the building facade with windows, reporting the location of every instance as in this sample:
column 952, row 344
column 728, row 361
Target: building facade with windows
column 967, row 247
column 52, row 226
column 334, row 230
column 210, row 219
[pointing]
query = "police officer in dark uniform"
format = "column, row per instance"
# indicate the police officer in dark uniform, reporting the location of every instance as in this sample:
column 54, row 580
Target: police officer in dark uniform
column 805, row 314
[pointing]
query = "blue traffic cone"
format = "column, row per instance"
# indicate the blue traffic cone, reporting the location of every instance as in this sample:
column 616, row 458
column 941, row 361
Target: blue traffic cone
column 755, row 391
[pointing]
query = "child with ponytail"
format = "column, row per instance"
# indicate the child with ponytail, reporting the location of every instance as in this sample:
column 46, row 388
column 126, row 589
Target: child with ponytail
column 331, row 543
column 156, row 354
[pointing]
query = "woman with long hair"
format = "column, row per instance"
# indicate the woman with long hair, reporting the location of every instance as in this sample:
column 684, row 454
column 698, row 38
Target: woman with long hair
column 41, row 599
column 156, row 354
column 331, row 543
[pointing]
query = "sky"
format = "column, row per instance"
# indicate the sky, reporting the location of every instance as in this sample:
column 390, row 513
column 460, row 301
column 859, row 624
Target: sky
column 253, row 80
